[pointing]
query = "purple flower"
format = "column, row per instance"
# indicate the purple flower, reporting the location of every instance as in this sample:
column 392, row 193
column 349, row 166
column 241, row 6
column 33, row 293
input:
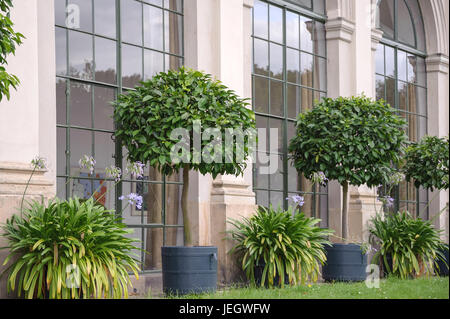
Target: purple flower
column 387, row 200
column 297, row 199
column 133, row 199
column 319, row 178
column 136, row 169
column 87, row 162
column 39, row 162
column 114, row 172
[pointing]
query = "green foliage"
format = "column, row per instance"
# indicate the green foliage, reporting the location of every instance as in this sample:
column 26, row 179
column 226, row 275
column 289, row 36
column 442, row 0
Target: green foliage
column 147, row 116
column 412, row 244
column 288, row 243
column 48, row 239
column 8, row 41
column 427, row 163
column 354, row 140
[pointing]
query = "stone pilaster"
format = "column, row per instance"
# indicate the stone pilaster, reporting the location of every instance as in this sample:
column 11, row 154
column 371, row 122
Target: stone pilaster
column 13, row 181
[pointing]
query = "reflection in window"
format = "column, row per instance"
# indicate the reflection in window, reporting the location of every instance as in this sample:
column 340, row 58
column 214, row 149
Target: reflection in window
column 401, row 81
column 93, row 65
column 287, row 79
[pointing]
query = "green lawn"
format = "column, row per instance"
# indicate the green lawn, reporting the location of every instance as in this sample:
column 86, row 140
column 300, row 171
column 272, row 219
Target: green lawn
column 392, row 288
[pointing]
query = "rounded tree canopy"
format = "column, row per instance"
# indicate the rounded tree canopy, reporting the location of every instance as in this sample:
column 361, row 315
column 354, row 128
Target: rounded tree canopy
column 427, row 163
column 187, row 114
column 352, row 140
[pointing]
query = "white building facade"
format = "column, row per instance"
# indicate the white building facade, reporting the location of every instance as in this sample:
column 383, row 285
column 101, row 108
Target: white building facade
column 79, row 54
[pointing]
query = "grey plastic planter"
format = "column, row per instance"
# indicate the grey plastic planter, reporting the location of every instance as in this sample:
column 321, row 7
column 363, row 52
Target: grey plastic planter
column 345, row 262
column 443, row 269
column 187, row 270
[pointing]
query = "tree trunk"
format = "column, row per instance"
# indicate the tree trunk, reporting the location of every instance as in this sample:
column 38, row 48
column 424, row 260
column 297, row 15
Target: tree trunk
column 345, row 211
column 184, row 207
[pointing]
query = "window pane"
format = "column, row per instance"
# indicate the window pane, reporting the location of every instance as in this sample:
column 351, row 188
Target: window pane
column 262, row 198
column 402, row 88
column 276, row 98
column 278, row 124
column 413, row 127
column 379, row 87
column 81, row 11
column 405, row 25
column 105, row 17
column 153, row 27
column 306, row 33
column 276, row 61
column 292, row 24
column 412, row 68
column 261, row 180
column 276, row 199
column 104, row 152
column 421, row 74
column 307, row 99
column 276, row 24
column 60, row 101
column 293, row 65
column 80, row 104
column 261, row 57
column 60, row 12
column 320, row 75
column 260, row 19
column 390, row 92
column 390, row 61
column 173, row 30
column 61, row 51
column 80, row 55
column 263, row 122
column 402, row 65
column 386, row 13
column 131, row 21
column 293, row 100
column 80, row 144
column 153, row 63
column 418, row 23
column 103, row 110
column 131, row 65
column 261, row 100
column 306, row 69
column 319, row 39
column 276, row 179
column 319, row 6
column 379, row 59
column 105, row 60
column 174, row 5
column 61, row 151
column 421, row 100
column 173, row 62
column 305, row 3
column 422, row 127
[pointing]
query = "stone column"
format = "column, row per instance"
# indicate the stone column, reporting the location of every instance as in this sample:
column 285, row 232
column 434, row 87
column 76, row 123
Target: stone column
column 28, row 119
column 438, row 101
column 352, row 38
column 340, row 29
column 232, row 197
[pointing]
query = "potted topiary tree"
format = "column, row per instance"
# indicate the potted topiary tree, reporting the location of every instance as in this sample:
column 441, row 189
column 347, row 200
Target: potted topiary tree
column 427, row 164
column 355, row 141
column 177, row 121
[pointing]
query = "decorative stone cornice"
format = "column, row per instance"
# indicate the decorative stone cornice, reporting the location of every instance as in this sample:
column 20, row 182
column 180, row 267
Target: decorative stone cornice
column 14, row 178
column 376, row 37
column 437, row 63
column 248, row 4
column 339, row 29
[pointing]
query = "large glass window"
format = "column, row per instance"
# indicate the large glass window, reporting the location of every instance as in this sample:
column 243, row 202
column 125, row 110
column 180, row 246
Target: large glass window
column 289, row 74
column 401, row 82
column 104, row 48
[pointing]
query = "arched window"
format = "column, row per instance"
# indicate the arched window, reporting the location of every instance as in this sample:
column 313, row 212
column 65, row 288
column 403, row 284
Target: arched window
column 289, row 73
column 103, row 48
column 401, row 82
